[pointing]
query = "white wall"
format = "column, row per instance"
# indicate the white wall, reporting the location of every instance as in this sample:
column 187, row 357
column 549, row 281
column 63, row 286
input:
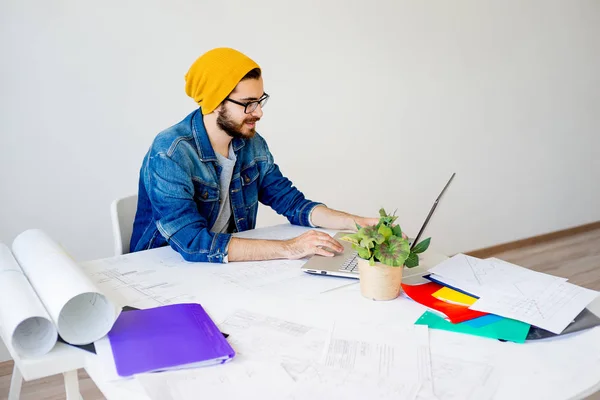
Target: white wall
column 373, row 104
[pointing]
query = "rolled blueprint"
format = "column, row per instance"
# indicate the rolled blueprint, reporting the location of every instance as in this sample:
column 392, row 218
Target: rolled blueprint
column 80, row 312
column 24, row 321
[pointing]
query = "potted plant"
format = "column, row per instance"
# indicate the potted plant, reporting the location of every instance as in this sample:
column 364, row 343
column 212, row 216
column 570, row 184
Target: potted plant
column 383, row 251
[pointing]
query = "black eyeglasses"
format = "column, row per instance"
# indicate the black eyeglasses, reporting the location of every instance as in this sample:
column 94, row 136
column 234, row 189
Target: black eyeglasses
column 250, row 106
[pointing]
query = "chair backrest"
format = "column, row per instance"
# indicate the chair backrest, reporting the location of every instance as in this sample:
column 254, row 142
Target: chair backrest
column 122, row 214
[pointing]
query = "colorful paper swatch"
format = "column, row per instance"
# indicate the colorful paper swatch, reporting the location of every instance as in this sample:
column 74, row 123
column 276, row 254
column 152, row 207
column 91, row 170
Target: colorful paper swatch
column 452, row 296
column 505, row 328
column 423, row 294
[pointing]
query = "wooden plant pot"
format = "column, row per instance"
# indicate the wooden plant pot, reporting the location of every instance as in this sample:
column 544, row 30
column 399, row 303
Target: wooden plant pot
column 379, row 282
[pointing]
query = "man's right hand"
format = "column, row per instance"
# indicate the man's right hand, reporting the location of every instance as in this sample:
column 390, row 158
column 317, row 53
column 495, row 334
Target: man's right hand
column 309, row 243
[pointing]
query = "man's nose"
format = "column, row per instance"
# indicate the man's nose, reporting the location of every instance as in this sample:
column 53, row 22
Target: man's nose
column 258, row 112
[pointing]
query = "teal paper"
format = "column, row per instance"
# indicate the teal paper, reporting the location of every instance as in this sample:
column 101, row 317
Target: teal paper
column 505, row 329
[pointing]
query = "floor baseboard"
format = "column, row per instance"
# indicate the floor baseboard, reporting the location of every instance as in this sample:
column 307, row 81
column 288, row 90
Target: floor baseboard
column 547, row 237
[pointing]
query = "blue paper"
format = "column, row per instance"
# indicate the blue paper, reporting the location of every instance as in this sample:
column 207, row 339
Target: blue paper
column 483, row 321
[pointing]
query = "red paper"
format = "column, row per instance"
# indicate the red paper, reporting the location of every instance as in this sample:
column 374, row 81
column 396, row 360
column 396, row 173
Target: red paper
column 422, row 294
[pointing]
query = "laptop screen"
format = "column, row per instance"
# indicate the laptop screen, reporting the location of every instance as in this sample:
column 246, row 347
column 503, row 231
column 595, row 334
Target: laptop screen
column 431, row 212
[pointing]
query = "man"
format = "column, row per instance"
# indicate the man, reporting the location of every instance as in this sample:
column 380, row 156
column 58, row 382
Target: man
column 202, row 178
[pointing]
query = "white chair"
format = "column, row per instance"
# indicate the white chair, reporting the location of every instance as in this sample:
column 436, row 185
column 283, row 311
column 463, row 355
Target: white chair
column 122, row 214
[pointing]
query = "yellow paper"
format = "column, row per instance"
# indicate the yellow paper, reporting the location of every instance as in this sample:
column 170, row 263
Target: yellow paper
column 452, row 296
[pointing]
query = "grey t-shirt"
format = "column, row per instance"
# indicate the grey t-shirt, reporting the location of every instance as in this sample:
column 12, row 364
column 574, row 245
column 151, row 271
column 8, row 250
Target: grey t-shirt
column 222, row 222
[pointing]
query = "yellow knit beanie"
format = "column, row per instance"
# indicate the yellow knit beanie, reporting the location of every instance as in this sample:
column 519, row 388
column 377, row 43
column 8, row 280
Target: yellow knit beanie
column 214, row 75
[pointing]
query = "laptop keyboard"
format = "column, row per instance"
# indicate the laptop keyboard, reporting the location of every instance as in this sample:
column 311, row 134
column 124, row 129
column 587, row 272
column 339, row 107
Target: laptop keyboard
column 351, row 264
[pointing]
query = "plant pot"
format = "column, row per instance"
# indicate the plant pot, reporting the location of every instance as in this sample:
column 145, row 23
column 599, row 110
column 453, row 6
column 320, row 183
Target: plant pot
column 380, row 281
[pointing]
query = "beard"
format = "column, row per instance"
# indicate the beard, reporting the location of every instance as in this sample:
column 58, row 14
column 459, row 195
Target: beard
column 232, row 128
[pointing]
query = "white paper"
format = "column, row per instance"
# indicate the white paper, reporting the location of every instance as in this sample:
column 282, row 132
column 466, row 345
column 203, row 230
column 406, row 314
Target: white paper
column 424, row 359
column 523, row 281
column 355, row 368
column 463, row 366
column 458, row 379
column 262, row 337
column 480, row 277
column 138, row 284
column 281, row 278
column 238, row 379
column 80, row 312
column 367, row 358
column 258, row 274
column 553, row 309
column 324, row 383
column 23, row 319
column 382, row 359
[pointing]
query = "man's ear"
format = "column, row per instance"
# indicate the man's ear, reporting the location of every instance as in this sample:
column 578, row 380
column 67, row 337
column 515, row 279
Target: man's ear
column 220, row 108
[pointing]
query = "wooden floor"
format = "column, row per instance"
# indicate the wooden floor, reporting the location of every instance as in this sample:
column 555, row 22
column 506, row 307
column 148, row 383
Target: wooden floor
column 576, row 258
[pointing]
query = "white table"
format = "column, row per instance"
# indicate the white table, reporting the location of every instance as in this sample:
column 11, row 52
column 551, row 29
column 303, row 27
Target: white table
column 547, row 369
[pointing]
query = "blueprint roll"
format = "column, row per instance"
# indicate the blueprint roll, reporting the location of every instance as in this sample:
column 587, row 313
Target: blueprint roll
column 80, row 312
column 24, row 321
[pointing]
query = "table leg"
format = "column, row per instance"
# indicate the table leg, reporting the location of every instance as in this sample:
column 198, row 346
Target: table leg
column 72, row 385
column 15, row 384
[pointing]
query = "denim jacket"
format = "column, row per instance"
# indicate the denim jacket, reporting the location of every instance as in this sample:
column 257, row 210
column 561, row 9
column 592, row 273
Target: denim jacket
column 178, row 199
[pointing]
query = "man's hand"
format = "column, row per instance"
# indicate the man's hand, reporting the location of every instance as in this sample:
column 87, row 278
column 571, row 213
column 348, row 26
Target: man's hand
column 309, row 243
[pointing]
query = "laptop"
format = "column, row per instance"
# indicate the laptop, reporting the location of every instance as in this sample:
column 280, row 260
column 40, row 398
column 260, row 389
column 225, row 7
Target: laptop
column 345, row 264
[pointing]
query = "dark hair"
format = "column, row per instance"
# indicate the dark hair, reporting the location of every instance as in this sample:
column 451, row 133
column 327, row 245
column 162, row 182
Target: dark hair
column 252, row 74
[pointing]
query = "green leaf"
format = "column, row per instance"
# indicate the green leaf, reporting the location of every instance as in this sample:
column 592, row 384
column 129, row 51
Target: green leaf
column 397, row 230
column 421, row 247
column 366, row 232
column 367, row 243
column 388, row 220
column 358, row 227
column 393, row 252
column 372, row 261
column 363, row 253
column 412, row 260
column 353, row 238
column 371, row 232
column 385, row 231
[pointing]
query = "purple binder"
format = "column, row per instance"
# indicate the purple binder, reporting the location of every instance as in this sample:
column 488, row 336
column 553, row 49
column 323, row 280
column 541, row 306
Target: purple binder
column 167, row 337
